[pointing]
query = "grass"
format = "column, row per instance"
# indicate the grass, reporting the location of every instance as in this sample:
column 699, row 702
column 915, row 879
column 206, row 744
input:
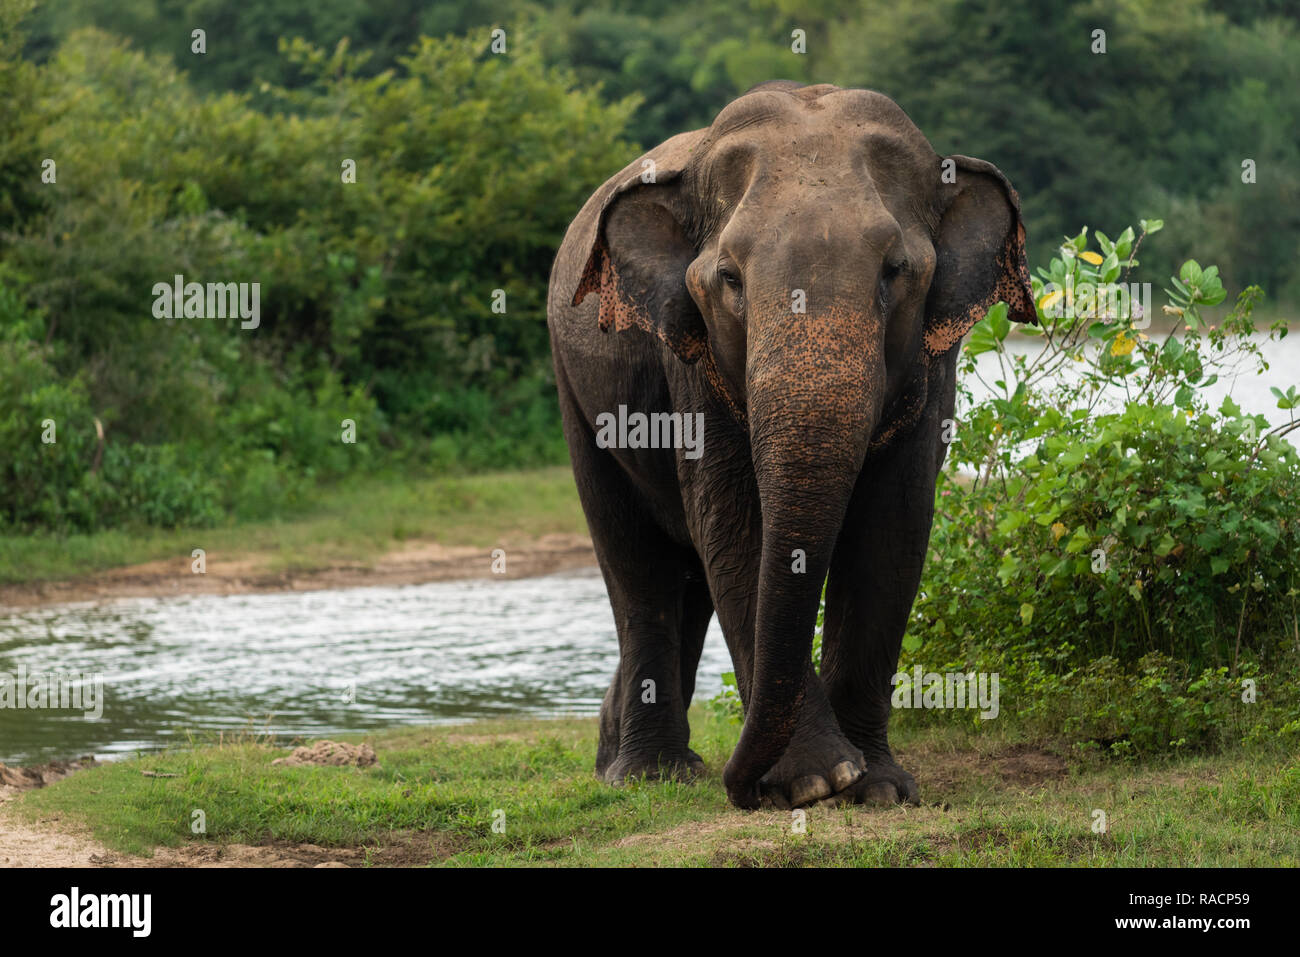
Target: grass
column 431, row 799
column 351, row 521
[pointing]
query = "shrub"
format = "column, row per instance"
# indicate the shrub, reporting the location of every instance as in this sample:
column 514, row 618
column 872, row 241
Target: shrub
column 1111, row 507
column 1124, row 557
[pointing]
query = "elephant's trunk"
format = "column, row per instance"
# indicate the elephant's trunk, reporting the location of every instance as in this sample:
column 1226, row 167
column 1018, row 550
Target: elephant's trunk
column 813, row 404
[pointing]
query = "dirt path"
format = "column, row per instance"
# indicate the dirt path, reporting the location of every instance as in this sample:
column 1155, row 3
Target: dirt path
column 413, row 564
column 55, row 843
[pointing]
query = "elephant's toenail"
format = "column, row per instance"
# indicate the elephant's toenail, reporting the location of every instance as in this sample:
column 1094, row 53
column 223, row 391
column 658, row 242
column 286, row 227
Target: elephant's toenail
column 844, row 774
column 881, row 792
column 808, row 789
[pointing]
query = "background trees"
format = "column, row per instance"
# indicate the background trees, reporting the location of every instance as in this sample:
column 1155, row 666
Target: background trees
column 377, row 295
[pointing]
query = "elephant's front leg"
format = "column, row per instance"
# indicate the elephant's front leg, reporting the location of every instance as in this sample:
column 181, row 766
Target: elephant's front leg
column 820, row 762
column 873, row 581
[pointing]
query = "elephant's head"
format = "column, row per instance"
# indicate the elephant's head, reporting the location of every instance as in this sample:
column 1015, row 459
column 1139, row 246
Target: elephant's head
column 816, row 255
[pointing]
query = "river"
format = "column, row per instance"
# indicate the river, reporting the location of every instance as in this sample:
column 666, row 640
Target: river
column 317, row 663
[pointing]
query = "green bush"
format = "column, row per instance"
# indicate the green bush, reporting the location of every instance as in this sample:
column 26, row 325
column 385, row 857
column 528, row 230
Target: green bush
column 78, row 481
column 1124, row 557
column 1151, row 529
column 1158, row 526
column 379, row 293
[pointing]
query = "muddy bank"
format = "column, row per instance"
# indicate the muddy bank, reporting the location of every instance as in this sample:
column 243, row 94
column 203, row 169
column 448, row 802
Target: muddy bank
column 39, row 775
column 415, row 563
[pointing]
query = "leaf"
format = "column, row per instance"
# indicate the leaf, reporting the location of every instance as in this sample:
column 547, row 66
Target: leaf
column 1110, row 268
column 1026, row 613
column 1048, row 301
column 981, row 340
column 998, row 322
column 1074, row 456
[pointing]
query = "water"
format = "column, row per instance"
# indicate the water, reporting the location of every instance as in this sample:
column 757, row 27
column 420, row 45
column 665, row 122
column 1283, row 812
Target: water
column 326, row 662
column 287, row 663
column 1248, row 390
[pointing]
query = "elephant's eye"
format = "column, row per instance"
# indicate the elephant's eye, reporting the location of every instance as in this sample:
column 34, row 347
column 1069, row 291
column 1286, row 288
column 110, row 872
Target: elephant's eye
column 729, row 277
column 892, row 270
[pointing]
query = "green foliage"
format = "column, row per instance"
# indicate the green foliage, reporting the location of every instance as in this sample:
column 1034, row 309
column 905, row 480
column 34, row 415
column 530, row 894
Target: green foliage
column 1010, row 82
column 1156, row 704
column 377, row 296
column 74, row 481
column 1109, row 503
column 18, row 157
column 1124, row 533
column 1124, row 555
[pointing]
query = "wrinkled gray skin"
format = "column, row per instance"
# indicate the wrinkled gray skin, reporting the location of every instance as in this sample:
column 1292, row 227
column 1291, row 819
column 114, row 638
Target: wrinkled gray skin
column 675, row 291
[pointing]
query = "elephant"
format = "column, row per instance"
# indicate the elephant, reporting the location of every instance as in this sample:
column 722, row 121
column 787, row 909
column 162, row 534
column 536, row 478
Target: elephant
column 797, row 277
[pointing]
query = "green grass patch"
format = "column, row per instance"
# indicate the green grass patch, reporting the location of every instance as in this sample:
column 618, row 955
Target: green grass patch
column 434, row 794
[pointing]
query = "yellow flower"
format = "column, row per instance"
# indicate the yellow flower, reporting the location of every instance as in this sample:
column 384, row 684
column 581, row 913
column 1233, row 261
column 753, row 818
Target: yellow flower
column 1057, row 531
column 1122, row 345
column 1049, row 300
column 1090, row 257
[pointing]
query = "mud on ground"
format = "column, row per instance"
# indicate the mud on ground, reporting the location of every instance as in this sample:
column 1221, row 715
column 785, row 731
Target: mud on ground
column 415, row 563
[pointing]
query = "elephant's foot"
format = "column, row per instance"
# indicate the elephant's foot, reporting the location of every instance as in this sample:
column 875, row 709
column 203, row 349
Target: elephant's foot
column 818, row 765
column 884, row 783
column 684, row 765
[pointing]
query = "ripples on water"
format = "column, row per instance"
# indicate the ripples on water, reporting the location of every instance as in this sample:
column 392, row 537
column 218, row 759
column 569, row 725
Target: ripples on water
column 416, row 654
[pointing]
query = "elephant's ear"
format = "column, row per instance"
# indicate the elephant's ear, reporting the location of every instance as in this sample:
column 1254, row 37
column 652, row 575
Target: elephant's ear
column 979, row 255
column 638, row 251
